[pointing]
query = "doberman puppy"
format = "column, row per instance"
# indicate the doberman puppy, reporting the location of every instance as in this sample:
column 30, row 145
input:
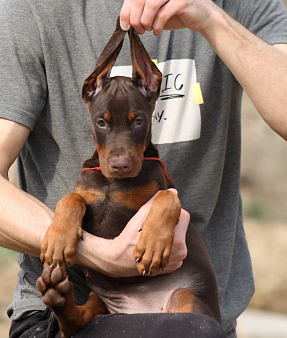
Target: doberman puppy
column 122, row 175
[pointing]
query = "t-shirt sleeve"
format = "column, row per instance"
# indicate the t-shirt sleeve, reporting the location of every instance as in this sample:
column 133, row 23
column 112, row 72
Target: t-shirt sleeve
column 23, row 88
column 267, row 19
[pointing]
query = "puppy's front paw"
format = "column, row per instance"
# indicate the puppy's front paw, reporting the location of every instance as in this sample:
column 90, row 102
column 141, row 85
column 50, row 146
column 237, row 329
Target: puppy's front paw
column 60, row 242
column 152, row 252
column 59, row 246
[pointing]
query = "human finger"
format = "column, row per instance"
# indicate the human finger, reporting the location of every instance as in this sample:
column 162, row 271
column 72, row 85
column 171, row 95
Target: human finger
column 165, row 14
column 150, row 11
column 125, row 15
column 130, row 15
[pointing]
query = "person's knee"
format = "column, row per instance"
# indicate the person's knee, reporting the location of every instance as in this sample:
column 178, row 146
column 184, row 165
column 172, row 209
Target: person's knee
column 168, row 325
column 209, row 328
column 183, row 324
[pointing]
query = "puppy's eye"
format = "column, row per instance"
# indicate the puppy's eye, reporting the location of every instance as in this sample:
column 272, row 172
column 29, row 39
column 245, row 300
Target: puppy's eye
column 138, row 121
column 101, row 123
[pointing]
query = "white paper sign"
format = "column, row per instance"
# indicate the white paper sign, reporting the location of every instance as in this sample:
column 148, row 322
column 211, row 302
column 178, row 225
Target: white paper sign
column 176, row 117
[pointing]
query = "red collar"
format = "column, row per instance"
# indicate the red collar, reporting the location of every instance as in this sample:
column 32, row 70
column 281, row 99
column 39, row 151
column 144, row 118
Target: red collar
column 145, row 159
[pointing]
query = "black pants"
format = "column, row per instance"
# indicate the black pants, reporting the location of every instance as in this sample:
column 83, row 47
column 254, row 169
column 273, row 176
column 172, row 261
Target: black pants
column 168, row 325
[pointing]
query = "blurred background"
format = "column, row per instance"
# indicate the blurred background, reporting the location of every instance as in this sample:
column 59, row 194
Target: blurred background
column 264, row 195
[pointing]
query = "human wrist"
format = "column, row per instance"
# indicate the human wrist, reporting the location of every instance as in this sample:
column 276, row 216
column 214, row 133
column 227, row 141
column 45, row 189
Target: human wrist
column 215, row 19
column 89, row 252
column 108, row 256
column 221, row 30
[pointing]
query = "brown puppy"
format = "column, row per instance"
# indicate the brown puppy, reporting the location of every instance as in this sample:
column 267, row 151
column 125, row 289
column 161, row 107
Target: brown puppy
column 122, row 175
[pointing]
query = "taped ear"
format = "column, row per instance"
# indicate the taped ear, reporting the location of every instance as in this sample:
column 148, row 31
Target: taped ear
column 145, row 72
column 94, row 83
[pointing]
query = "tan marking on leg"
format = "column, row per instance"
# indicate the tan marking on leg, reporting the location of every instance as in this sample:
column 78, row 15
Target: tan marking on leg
column 183, row 300
column 72, row 318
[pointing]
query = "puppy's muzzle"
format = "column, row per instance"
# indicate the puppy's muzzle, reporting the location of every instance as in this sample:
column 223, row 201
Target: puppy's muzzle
column 120, row 164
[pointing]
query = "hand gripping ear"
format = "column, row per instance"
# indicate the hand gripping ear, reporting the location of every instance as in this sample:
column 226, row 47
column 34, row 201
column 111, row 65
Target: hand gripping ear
column 145, row 72
column 104, row 65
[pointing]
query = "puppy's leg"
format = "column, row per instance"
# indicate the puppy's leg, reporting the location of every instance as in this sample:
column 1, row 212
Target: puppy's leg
column 58, row 251
column 57, row 293
column 183, row 300
column 154, row 247
column 60, row 242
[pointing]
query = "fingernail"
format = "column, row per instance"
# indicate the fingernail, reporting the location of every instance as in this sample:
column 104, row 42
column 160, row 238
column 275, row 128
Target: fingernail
column 125, row 26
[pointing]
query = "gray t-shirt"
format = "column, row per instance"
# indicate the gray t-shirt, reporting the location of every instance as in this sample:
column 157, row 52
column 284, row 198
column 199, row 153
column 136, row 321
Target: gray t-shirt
column 47, row 50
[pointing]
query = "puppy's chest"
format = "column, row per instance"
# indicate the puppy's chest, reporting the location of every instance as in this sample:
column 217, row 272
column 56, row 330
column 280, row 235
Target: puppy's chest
column 111, row 206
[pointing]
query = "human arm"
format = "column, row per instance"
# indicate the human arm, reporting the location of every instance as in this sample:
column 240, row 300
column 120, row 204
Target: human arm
column 21, row 214
column 24, row 220
column 258, row 67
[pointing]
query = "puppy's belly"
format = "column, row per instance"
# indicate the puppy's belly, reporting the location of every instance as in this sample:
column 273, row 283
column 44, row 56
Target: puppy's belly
column 137, row 302
column 139, row 294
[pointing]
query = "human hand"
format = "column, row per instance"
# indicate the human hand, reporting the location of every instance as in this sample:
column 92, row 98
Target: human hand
column 156, row 15
column 119, row 260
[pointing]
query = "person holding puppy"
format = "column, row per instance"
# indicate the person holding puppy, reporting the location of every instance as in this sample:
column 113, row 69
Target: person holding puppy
column 207, row 51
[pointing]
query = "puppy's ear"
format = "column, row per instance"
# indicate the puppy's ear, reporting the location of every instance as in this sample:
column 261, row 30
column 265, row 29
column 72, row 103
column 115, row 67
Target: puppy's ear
column 94, row 83
column 145, row 72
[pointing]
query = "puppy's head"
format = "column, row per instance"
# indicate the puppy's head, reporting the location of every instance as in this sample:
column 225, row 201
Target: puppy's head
column 121, row 108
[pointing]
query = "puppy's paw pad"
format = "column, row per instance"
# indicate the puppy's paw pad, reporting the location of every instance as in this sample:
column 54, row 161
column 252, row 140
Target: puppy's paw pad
column 53, row 298
column 57, row 275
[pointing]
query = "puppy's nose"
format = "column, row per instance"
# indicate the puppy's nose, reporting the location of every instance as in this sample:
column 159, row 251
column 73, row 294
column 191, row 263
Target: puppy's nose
column 120, row 164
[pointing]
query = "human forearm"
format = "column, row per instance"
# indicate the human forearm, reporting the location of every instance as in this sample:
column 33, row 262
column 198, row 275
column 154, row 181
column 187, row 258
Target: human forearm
column 23, row 220
column 258, row 67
